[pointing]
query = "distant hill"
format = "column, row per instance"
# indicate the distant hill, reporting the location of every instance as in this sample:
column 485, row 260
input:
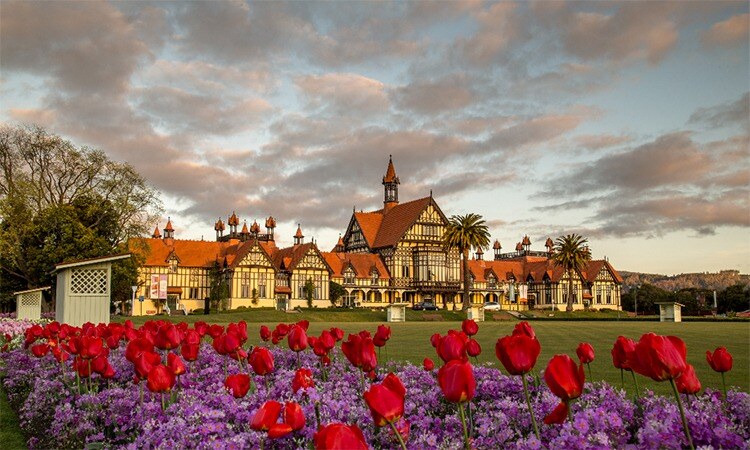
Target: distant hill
column 712, row 281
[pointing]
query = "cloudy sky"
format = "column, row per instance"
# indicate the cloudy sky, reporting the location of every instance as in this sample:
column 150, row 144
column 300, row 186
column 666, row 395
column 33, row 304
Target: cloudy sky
column 625, row 122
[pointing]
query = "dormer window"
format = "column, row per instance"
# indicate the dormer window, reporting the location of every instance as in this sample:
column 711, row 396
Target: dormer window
column 491, row 282
column 349, row 276
column 374, row 278
column 173, row 265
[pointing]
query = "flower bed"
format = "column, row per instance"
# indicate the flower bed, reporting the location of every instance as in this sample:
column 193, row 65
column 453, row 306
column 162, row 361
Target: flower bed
column 60, row 405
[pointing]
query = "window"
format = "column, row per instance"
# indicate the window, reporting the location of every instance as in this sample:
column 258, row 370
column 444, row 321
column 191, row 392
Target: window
column 609, row 295
column 173, row 265
column 193, row 292
column 245, row 291
column 374, row 278
column 349, row 276
column 491, row 282
column 262, row 287
column 405, row 271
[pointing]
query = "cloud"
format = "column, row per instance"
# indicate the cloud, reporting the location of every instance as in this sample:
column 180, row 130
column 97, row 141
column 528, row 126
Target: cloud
column 434, row 97
column 726, row 114
column 498, row 26
column 186, row 112
column 600, row 141
column 87, row 47
column 732, row 32
column 343, row 93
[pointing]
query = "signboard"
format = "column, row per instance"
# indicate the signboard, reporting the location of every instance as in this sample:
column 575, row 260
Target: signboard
column 158, row 289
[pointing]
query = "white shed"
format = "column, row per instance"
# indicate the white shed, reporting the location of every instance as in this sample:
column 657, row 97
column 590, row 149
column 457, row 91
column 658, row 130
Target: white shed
column 83, row 290
column 29, row 303
column 670, row 311
column 396, row 312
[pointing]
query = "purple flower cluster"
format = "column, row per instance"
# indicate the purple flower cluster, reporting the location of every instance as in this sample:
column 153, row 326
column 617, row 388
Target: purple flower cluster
column 53, row 410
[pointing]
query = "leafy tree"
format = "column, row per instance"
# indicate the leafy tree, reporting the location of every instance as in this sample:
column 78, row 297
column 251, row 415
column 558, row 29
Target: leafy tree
column 335, row 291
column 60, row 202
column 463, row 233
column 254, row 296
column 219, row 287
column 647, row 295
column 572, row 254
column 309, row 289
column 734, row 299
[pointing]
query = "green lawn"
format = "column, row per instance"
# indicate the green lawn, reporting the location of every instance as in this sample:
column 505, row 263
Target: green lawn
column 10, row 434
column 410, row 341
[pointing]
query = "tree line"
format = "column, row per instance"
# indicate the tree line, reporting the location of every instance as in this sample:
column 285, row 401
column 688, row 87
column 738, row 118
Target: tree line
column 62, row 202
column 697, row 301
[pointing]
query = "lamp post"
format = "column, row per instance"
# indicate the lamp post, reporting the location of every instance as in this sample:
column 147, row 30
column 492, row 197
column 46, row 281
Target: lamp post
column 132, row 302
column 635, row 299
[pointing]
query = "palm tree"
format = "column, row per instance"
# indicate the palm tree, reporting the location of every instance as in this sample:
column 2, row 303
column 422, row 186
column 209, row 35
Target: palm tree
column 463, row 233
column 572, row 254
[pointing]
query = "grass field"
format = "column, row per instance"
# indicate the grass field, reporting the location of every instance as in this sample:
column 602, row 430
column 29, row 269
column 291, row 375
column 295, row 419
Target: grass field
column 11, row 436
column 410, row 340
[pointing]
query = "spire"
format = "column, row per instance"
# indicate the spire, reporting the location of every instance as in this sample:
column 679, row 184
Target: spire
column 497, row 247
column 233, row 221
column 255, row 228
column 339, row 248
column 519, row 247
column 219, row 228
column 390, row 186
column 157, row 233
column 550, row 245
column 526, row 243
column 270, row 225
column 298, row 236
column 479, row 254
column 169, row 230
column 245, row 232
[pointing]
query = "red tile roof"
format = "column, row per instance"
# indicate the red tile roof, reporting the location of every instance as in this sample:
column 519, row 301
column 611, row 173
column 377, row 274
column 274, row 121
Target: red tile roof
column 397, row 221
column 362, row 263
column 536, row 267
column 157, row 233
column 369, row 223
column 169, row 225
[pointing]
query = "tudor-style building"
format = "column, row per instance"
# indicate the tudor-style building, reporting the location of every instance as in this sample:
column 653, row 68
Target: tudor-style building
column 394, row 254
column 408, row 239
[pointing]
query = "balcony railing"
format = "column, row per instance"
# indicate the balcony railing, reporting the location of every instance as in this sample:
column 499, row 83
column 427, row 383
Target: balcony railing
column 430, row 285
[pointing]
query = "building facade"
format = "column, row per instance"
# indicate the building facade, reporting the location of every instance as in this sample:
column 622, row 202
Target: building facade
column 392, row 255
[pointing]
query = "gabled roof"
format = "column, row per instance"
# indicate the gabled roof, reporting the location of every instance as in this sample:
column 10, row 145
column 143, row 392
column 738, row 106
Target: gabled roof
column 244, row 248
column 361, row 263
column 288, row 258
column 189, row 253
column 398, row 220
column 369, row 223
column 595, row 266
column 88, row 261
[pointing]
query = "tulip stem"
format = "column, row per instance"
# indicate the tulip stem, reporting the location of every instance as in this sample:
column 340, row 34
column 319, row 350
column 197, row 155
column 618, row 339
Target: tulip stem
column 724, row 384
column 589, row 367
column 682, row 414
column 463, row 424
column 299, row 363
column 635, row 380
column 398, row 435
column 317, row 415
column 528, row 403
column 622, row 379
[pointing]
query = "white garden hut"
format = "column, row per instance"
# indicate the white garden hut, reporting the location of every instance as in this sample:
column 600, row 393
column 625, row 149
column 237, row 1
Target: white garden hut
column 29, row 303
column 670, row 311
column 396, row 312
column 83, row 290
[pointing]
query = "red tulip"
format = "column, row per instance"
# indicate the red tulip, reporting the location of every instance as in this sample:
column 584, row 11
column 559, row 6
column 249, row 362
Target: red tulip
column 266, row 416
column 720, row 360
column 585, row 352
column 435, row 339
column 428, row 364
column 565, row 379
column 304, row 324
column 136, row 347
column 523, row 328
column 238, row 383
column 688, row 382
column 338, row 436
column 226, row 343
column 189, row 351
column 39, row 350
column 456, row 379
column 381, row 336
column 261, row 360
column 109, row 372
column 215, row 331
column 452, row 346
column 175, row 363
column 518, row 352
column 337, row 333
column 473, row 348
column 161, row 379
column 360, row 351
column 239, row 330
column 470, row 327
column 192, row 337
column 201, row 328
column 144, row 363
column 82, row 366
column 294, row 416
column 91, row 347
column 302, row 379
column 386, row 400
column 279, row 430
column 659, row 357
column 622, row 350
column 99, row 364
column 168, row 337
column 265, row 333
column 297, row 338
column 327, row 340
column 282, row 329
